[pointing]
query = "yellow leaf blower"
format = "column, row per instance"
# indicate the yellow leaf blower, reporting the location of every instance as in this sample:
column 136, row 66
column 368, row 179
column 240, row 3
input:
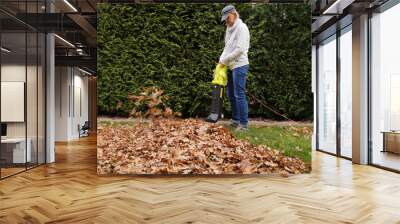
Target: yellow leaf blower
column 219, row 83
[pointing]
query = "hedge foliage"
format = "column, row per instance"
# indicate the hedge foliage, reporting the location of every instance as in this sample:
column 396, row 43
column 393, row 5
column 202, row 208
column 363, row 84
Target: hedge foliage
column 175, row 47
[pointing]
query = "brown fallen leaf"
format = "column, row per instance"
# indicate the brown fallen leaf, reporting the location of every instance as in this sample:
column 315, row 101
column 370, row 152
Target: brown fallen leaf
column 186, row 146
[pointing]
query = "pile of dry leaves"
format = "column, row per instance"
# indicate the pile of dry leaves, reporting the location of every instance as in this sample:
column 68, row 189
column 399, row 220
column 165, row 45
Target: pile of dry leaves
column 150, row 103
column 186, row 146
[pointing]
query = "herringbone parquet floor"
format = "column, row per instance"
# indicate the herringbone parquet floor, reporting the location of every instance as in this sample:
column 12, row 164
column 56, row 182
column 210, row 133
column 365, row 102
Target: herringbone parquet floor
column 70, row 191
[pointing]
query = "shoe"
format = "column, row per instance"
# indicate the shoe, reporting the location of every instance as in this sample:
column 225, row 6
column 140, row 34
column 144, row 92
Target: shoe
column 234, row 124
column 213, row 118
column 241, row 128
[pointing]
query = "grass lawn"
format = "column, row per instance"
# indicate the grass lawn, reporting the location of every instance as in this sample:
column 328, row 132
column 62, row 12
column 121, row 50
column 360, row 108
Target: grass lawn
column 116, row 123
column 294, row 141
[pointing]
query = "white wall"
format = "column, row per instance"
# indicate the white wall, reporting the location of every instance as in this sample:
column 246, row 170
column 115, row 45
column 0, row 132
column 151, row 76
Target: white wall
column 80, row 102
column 62, row 82
column 14, row 72
column 33, row 126
column 17, row 72
column 71, row 87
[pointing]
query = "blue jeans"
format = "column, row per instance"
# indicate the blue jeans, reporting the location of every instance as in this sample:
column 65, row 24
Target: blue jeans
column 237, row 94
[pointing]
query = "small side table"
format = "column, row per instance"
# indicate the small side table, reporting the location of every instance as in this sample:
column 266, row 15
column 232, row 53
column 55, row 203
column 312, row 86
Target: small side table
column 391, row 141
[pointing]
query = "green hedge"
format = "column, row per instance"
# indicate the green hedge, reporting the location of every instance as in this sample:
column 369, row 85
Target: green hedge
column 175, row 47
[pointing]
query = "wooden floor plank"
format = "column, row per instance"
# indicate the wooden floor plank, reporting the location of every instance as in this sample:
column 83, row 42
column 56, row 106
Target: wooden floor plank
column 70, row 191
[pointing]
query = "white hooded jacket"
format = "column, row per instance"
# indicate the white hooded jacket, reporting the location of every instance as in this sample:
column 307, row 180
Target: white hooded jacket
column 237, row 43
